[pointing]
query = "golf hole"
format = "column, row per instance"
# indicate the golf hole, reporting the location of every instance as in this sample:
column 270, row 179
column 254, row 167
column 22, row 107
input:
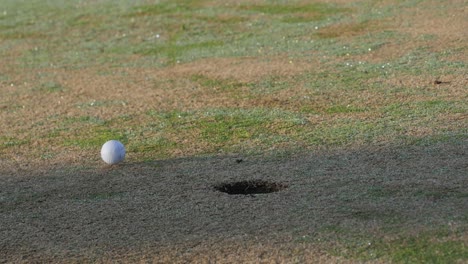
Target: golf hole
column 250, row 187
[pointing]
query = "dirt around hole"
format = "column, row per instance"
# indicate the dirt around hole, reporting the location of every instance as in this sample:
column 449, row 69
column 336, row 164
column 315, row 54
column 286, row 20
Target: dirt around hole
column 250, row 187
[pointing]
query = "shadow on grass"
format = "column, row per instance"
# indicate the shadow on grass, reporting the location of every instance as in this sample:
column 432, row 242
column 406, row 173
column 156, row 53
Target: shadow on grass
column 334, row 200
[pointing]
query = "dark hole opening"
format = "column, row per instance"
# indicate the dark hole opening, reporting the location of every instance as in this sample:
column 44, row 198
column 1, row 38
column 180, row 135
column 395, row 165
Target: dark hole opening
column 250, row 187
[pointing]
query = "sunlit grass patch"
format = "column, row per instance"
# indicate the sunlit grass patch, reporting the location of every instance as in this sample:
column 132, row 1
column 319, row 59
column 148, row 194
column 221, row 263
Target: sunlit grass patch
column 429, row 108
column 346, row 131
column 432, row 246
column 84, row 120
column 174, row 51
column 441, row 106
column 271, row 84
column 344, row 109
column 225, row 130
column 101, row 103
column 50, row 87
column 229, row 129
column 222, row 128
column 159, row 147
column 422, row 60
column 296, row 13
column 348, row 29
column 84, row 20
column 226, row 19
column 8, row 142
column 427, row 249
column 164, row 8
column 221, row 84
column 17, row 35
column 93, row 137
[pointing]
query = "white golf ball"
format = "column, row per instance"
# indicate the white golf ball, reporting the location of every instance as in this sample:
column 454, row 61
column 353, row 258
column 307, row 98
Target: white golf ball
column 112, row 152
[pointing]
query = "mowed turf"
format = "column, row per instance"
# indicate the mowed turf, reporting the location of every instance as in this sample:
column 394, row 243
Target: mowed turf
column 358, row 107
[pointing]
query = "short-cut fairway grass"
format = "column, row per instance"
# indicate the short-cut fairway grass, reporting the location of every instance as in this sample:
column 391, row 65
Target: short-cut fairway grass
column 360, row 106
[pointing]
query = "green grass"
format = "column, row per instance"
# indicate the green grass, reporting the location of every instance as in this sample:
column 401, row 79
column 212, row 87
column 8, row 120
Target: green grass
column 437, row 244
column 91, row 141
column 224, row 85
column 174, row 52
column 224, row 130
column 296, row 13
column 427, row 247
column 165, row 8
column 50, row 87
column 100, row 33
column 100, row 103
column 93, row 137
column 427, row 250
column 224, row 30
column 227, row 130
column 429, row 109
column 344, row 109
column 160, row 147
column 8, row 142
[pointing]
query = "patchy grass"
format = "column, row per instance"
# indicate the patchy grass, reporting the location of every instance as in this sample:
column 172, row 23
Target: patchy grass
column 200, row 91
column 344, row 109
column 8, row 142
column 427, row 247
column 175, row 52
column 50, row 87
column 216, row 83
column 165, row 8
column 93, row 136
column 347, row 30
column 296, row 13
column 101, row 103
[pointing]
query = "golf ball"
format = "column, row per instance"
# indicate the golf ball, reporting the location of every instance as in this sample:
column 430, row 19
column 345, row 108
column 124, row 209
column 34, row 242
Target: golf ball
column 112, row 152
